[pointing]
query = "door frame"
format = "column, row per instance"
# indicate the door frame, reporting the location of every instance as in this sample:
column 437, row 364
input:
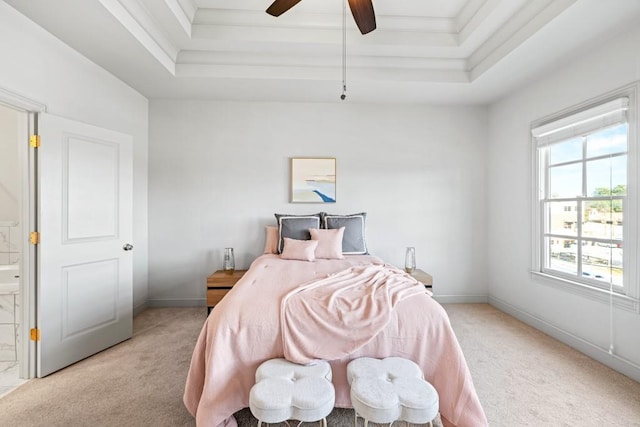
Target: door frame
column 27, row 158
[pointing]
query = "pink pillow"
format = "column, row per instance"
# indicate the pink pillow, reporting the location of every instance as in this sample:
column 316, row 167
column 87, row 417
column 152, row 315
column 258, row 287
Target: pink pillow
column 303, row 250
column 329, row 242
column 271, row 240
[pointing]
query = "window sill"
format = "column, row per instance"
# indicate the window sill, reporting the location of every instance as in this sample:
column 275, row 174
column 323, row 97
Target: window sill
column 621, row 301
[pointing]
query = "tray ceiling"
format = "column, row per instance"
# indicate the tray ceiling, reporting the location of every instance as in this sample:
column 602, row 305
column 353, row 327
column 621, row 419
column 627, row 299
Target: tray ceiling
column 449, row 51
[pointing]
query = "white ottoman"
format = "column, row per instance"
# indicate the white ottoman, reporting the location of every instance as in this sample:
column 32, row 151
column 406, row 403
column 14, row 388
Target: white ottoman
column 286, row 390
column 390, row 389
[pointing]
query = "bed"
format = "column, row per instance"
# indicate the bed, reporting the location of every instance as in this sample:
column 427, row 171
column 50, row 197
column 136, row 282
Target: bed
column 247, row 327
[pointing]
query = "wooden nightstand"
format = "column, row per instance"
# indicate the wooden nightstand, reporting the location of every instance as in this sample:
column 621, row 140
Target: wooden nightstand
column 219, row 283
column 423, row 277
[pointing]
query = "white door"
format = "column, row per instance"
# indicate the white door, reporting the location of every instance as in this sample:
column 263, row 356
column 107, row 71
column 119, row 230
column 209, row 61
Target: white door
column 84, row 298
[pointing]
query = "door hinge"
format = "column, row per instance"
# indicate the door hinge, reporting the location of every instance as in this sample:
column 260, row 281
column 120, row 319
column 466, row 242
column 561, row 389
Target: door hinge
column 34, row 237
column 34, row 141
column 35, row 334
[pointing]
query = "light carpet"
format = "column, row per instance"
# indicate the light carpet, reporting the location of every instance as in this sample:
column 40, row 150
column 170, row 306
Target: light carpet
column 523, row 378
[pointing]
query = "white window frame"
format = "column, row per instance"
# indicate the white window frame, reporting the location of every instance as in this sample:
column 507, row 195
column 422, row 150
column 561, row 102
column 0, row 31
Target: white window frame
column 629, row 296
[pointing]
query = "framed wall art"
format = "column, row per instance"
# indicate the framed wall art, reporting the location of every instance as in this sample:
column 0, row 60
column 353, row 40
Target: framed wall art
column 313, row 180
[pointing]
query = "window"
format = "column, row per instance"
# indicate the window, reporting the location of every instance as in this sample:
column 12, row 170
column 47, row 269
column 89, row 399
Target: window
column 582, row 181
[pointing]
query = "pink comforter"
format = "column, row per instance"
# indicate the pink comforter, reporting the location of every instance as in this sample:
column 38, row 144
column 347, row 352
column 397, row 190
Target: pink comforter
column 245, row 329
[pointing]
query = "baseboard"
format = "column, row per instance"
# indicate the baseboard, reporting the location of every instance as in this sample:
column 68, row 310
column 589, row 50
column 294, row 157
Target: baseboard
column 140, row 308
column 462, row 299
column 616, row 363
column 176, row 302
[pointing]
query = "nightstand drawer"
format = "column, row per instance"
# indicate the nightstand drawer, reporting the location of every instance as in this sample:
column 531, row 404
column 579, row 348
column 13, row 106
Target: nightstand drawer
column 214, row 296
column 219, row 283
column 223, row 279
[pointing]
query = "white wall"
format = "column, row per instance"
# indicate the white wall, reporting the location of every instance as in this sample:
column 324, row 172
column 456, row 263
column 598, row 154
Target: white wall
column 9, row 172
column 219, row 170
column 578, row 320
column 38, row 66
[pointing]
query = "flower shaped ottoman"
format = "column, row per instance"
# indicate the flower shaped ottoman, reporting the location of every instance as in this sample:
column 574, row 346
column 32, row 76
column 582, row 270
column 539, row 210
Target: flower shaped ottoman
column 286, row 390
column 390, row 389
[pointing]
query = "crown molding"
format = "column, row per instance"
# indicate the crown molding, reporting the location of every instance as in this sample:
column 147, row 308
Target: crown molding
column 517, row 29
column 222, row 41
column 137, row 20
column 184, row 11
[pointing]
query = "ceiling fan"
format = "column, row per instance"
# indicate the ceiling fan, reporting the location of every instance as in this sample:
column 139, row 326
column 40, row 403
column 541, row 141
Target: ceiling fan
column 362, row 11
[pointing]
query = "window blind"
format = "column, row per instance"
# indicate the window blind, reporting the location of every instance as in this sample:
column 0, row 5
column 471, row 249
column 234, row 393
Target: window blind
column 586, row 121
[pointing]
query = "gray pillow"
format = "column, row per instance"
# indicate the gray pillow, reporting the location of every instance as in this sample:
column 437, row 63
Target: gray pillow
column 295, row 227
column 353, row 242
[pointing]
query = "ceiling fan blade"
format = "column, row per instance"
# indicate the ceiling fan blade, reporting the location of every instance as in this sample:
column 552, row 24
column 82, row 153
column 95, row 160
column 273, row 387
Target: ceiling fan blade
column 278, row 7
column 363, row 14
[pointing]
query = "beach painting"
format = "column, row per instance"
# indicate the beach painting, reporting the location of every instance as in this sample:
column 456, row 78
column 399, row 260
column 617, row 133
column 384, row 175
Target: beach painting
column 313, row 180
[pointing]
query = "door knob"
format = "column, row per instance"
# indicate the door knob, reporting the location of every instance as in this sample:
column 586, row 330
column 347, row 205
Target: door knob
column 127, row 247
